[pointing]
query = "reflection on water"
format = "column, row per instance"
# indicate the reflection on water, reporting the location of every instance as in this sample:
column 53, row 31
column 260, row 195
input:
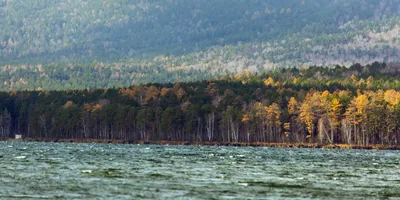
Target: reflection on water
column 47, row 170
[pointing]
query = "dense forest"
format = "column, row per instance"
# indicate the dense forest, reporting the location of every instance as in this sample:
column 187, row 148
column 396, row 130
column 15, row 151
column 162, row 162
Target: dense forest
column 80, row 44
column 356, row 105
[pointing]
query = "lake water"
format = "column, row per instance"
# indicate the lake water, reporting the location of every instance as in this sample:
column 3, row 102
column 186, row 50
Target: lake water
column 106, row 171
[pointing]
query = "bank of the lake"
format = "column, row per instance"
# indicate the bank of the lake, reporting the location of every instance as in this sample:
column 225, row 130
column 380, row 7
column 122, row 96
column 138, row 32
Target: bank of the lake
column 213, row 143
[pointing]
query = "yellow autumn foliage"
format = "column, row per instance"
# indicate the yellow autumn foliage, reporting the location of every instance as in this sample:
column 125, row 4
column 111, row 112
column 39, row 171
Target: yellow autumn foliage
column 293, row 106
column 307, row 116
column 335, row 111
column 269, row 82
column 361, row 102
column 392, row 97
column 274, row 114
column 245, row 118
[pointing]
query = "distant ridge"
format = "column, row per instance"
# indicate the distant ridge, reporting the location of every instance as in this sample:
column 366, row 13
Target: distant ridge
column 50, row 44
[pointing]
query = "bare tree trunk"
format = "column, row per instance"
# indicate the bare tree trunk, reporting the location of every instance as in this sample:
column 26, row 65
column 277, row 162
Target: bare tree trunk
column 210, row 126
column 42, row 122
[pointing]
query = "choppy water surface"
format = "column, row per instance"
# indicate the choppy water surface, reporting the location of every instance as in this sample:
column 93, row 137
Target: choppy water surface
column 97, row 171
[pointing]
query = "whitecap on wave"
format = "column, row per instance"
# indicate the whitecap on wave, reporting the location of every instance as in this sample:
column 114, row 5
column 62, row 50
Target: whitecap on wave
column 20, row 157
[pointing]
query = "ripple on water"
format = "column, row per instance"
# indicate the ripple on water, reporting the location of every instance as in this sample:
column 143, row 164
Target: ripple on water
column 98, row 171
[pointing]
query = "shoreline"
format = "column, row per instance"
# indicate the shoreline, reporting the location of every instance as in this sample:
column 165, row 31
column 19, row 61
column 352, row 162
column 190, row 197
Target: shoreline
column 212, row 143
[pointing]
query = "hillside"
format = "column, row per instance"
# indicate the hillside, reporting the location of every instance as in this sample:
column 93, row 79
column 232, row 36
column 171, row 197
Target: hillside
column 55, row 44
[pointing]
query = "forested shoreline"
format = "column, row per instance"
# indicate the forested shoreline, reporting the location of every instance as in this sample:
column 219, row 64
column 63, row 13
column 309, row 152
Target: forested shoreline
column 359, row 105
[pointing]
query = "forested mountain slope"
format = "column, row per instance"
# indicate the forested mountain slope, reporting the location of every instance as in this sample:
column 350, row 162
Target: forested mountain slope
column 58, row 44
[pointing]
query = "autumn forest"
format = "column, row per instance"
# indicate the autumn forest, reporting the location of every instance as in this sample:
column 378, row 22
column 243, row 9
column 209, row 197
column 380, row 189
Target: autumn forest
column 357, row 105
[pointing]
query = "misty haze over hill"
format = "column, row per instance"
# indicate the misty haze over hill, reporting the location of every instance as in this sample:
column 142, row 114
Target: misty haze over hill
column 57, row 44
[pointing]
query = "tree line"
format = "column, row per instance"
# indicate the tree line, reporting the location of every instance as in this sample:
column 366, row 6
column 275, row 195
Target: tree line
column 356, row 105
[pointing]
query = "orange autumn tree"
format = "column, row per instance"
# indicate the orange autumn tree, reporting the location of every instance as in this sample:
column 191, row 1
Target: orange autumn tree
column 334, row 116
column 322, row 103
column 362, row 102
column 293, row 106
column 314, row 111
column 307, row 117
column 321, row 109
column 269, row 82
column 356, row 114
